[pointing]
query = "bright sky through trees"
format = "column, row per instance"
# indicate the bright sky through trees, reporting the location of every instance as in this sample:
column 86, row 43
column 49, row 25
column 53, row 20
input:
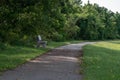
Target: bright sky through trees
column 113, row 5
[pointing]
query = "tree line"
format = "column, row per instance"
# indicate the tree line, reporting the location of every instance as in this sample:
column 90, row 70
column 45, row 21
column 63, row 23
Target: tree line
column 57, row 20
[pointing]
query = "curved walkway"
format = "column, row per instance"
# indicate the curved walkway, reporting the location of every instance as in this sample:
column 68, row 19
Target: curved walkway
column 58, row 64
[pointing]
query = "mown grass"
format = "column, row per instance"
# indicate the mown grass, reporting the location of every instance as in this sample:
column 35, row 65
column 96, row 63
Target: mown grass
column 101, row 61
column 13, row 56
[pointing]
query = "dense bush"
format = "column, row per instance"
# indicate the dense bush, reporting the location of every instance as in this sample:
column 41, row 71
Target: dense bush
column 2, row 46
column 22, row 20
column 98, row 23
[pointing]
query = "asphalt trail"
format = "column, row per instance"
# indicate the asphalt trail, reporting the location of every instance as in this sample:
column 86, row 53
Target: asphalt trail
column 59, row 64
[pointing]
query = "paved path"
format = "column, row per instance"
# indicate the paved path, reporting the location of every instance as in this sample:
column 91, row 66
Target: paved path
column 58, row 64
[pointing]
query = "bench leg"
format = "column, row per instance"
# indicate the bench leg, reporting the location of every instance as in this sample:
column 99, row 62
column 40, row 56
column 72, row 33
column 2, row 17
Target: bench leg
column 38, row 45
column 44, row 45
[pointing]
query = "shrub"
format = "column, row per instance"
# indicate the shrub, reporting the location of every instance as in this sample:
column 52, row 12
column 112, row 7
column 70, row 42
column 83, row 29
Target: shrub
column 2, row 46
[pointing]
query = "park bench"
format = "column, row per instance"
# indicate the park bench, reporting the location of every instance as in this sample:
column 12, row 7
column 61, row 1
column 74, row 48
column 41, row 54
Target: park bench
column 40, row 42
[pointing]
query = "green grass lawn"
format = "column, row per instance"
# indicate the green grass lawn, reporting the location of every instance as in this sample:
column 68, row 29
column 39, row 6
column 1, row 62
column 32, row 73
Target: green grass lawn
column 101, row 61
column 14, row 56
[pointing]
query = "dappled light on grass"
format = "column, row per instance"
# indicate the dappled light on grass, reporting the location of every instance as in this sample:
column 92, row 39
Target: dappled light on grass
column 109, row 45
column 114, row 45
column 101, row 61
column 17, row 55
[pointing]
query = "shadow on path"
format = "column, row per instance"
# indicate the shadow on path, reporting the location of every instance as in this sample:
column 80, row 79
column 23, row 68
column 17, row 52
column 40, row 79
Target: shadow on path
column 59, row 64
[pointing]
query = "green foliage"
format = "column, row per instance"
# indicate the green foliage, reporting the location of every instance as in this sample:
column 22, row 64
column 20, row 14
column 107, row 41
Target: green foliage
column 21, row 20
column 97, row 23
column 57, row 37
column 2, row 46
column 101, row 61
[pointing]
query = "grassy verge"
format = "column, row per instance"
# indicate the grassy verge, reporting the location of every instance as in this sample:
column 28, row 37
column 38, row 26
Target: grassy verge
column 13, row 56
column 101, row 61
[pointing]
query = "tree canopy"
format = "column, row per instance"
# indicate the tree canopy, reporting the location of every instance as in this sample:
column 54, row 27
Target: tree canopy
column 22, row 20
